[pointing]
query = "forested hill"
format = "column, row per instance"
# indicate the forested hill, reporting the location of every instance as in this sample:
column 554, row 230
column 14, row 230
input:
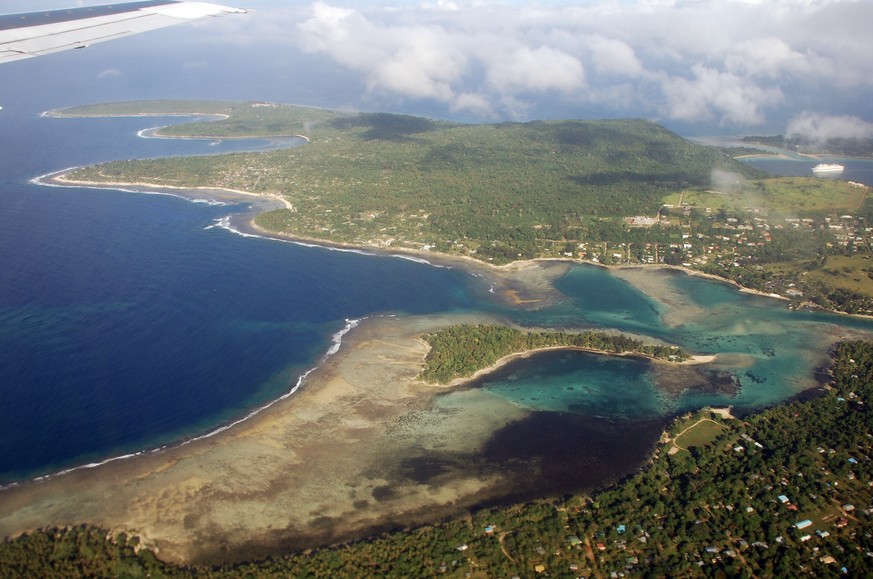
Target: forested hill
column 498, row 192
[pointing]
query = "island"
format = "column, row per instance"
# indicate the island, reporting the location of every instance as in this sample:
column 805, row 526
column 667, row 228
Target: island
column 615, row 192
column 368, row 448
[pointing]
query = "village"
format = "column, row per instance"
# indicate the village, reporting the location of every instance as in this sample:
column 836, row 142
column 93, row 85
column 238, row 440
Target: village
column 817, row 507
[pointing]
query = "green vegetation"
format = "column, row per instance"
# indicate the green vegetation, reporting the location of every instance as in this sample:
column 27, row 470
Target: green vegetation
column 781, row 196
column 78, row 552
column 699, row 434
column 242, row 119
column 850, row 273
column 728, row 507
column 496, row 192
column 459, row 351
column 128, row 108
column 613, row 192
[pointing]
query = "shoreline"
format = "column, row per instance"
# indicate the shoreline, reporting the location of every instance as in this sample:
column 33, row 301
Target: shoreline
column 195, row 501
column 461, row 381
column 352, row 397
column 328, row 465
column 153, row 133
column 59, row 179
column 521, row 296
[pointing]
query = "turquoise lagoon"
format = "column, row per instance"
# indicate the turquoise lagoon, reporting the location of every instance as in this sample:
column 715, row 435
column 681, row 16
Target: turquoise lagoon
column 130, row 321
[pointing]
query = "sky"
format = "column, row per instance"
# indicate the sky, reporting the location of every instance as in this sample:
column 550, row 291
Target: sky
column 797, row 67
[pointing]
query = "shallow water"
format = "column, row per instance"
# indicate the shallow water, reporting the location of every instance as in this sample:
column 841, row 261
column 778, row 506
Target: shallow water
column 770, row 351
column 129, row 321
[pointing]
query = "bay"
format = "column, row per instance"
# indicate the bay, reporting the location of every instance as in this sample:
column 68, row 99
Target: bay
column 129, row 321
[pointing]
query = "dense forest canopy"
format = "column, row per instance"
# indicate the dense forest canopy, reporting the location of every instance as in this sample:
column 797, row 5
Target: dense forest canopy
column 459, row 351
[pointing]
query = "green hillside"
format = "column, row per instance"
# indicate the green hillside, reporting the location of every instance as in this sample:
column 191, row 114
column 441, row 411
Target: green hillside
column 497, row 192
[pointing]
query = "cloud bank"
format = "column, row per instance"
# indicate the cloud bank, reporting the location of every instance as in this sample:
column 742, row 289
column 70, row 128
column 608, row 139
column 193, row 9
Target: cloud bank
column 801, row 67
column 819, row 128
column 729, row 63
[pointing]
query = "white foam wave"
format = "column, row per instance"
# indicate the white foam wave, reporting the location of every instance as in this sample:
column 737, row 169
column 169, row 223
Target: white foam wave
column 147, row 133
column 44, row 181
column 224, row 223
column 336, row 343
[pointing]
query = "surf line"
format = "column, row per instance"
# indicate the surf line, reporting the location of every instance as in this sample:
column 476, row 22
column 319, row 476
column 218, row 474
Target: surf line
column 336, row 343
column 45, row 181
column 224, row 223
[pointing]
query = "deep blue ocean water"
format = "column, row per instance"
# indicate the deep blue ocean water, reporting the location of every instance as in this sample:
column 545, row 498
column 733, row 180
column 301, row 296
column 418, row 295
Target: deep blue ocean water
column 127, row 321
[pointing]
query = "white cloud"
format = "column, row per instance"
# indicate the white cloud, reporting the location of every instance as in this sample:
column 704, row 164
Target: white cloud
column 475, row 103
column 612, row 56
column 768, row 58
column 733, row 62
column 819, row 128
column 712, row 94
column 539, row 70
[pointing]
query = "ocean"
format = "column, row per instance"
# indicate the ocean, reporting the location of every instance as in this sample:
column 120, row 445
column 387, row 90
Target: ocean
column 131, row 321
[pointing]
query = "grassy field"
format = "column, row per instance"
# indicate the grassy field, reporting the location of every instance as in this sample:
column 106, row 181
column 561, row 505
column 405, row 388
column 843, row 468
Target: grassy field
column 854, row 273
column 849, row 272
column 789, row 196
column 701, row 433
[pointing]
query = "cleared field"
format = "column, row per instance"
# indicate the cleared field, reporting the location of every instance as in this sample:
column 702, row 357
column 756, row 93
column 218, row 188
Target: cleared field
column 853, row 273
column 701, row 433
column 782, row 195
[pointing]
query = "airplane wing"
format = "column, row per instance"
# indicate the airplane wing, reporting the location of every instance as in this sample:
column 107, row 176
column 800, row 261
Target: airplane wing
column 37, row 33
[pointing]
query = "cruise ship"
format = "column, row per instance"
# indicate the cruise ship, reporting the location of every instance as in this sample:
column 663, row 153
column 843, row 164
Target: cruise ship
column 828, row 168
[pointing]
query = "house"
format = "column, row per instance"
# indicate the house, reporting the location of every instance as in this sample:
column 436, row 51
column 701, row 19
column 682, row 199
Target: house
column 803, row 524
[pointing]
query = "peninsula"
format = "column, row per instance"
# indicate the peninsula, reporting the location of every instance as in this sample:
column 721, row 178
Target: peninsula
column 608, row 192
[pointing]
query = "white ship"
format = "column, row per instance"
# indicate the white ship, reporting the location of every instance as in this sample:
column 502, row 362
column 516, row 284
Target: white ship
column 828, row 168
